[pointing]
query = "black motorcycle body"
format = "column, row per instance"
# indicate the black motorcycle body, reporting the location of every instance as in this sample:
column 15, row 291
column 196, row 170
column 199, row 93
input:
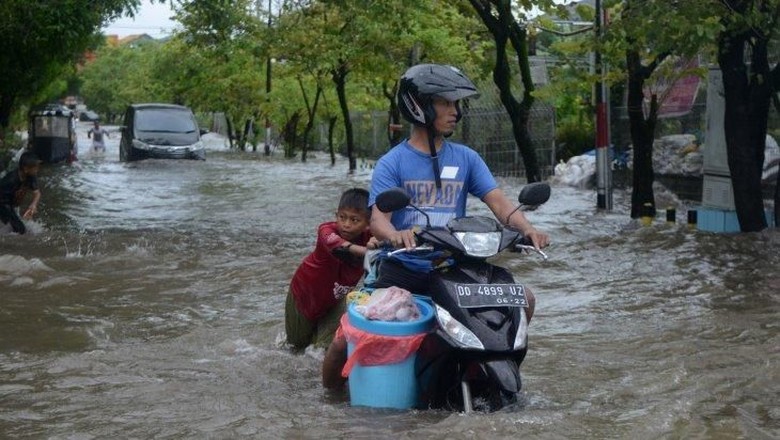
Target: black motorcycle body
column 472, row 358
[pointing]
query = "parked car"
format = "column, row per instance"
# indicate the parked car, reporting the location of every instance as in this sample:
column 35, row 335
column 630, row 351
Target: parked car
column 160, row 131
column 51, row 133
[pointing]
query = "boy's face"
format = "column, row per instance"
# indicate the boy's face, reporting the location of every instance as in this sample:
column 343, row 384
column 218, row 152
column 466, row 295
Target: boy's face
column 351, row 223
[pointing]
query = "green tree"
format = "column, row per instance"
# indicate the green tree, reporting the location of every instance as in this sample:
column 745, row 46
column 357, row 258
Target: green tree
column 570, row 88
column 123, row 75
column 225, row 37
column 368, row 43
column 744, row 59
column 647, row 33
column 508, row 26
column 42, row 40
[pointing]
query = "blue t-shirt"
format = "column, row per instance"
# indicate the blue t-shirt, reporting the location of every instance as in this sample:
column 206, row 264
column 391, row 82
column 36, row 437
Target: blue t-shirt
column 462, row 171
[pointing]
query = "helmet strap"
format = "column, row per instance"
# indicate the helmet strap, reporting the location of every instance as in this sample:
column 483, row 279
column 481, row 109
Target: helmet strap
column 434, row 156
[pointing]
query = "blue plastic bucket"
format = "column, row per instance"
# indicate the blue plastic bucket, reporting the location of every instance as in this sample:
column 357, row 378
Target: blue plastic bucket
column 391, row 385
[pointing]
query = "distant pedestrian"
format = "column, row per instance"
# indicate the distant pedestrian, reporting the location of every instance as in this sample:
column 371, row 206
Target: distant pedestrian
column 97, row 133
column 14, row 187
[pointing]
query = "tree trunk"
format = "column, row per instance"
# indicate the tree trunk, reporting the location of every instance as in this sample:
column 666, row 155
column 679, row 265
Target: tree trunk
column 331, row 146
column 518, row 36
column 340, row 79
column 504, row 29
column 312, row 112
column 394, row 135
column 776, row 101
column 6, row 105
column 777, row 199
column 247, row 130
column 642, row 138
column 290, row 134
column 747, row 97
column 229, row 130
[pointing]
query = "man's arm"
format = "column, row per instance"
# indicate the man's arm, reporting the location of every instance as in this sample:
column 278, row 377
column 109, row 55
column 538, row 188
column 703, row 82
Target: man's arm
column 502, row 208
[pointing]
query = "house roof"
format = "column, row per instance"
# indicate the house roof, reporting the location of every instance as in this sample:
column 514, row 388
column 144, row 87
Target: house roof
column 130, row 39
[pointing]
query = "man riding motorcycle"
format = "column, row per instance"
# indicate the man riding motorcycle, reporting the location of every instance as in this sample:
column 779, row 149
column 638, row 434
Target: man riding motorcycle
column 438, row 175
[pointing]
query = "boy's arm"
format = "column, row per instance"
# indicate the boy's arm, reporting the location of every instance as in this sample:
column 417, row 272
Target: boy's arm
column 360, row 251
column 33, row 208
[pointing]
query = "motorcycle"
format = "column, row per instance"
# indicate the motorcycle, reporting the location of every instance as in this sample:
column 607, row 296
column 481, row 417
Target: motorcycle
column 472, row 358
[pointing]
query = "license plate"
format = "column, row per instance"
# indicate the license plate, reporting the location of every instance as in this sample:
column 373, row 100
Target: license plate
column 491, row 295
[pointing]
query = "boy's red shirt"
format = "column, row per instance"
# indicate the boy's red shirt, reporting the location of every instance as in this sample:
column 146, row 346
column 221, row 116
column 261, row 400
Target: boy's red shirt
column 322, row 278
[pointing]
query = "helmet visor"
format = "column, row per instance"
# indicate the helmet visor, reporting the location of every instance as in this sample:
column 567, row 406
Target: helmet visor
column 458, row 94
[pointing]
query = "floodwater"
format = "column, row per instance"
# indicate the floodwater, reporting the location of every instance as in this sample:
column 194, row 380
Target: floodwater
column 148, row 303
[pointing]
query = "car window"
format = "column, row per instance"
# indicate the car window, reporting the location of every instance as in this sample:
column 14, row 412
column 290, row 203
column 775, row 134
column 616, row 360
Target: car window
column 51, row 126
column 165, row 120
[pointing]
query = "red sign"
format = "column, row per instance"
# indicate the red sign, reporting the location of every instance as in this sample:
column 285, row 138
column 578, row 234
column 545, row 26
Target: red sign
column 676, row 92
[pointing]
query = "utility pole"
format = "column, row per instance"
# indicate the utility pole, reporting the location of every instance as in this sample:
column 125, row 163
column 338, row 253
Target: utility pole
column 603, row 162
column 268, row 92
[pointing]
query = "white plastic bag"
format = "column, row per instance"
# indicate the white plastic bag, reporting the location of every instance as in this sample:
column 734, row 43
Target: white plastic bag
column 390, row 304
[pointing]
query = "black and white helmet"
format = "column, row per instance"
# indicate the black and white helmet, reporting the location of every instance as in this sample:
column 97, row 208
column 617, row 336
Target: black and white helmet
column 421, row 83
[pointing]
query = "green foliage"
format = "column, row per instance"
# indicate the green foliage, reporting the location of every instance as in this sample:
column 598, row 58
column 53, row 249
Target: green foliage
column 367, row 45
column 218, row 61
column 8, row 147
column 41, row 42
column 217, row 24
column 574, row 136
column 121, row 76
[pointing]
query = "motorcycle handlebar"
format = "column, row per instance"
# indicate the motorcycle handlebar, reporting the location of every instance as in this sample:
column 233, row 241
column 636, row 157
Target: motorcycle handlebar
column 525, row 241
column 525, row 244
column 384, row 244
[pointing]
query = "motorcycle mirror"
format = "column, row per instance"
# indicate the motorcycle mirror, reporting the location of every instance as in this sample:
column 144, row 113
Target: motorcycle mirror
column 534, row 194
column 392, row 200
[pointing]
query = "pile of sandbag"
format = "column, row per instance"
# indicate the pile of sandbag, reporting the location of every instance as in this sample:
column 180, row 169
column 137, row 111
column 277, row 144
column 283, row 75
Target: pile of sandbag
column 678, row 154
column 577, row 172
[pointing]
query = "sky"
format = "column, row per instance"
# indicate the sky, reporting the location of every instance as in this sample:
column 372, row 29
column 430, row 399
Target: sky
column 152, row 18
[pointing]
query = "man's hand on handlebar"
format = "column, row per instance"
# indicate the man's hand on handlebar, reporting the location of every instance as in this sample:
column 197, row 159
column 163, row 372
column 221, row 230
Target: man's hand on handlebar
column 539, row 239
column 402, row 239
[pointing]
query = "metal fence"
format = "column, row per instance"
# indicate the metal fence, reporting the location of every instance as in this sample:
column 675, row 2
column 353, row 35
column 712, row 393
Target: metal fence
column 485, row 127
column 693, row 122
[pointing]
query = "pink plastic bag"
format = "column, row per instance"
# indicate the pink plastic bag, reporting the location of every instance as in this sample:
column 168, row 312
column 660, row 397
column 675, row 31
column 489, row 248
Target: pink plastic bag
column 390, row 304
column 372, row 349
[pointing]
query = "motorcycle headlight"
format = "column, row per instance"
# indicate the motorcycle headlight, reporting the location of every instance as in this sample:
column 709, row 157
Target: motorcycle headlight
column 480, row 244
column 457, row 331
column 522, row 331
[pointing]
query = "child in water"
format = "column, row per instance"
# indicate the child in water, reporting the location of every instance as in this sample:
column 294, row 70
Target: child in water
column 97, row 133
column 316, row 298
column 13, row 188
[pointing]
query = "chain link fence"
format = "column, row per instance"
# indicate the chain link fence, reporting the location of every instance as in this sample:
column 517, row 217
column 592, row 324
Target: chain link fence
column 485, row 127
column 693, row 122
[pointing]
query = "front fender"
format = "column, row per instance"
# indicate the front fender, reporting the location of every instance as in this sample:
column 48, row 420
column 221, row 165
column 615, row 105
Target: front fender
column 506, row 375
